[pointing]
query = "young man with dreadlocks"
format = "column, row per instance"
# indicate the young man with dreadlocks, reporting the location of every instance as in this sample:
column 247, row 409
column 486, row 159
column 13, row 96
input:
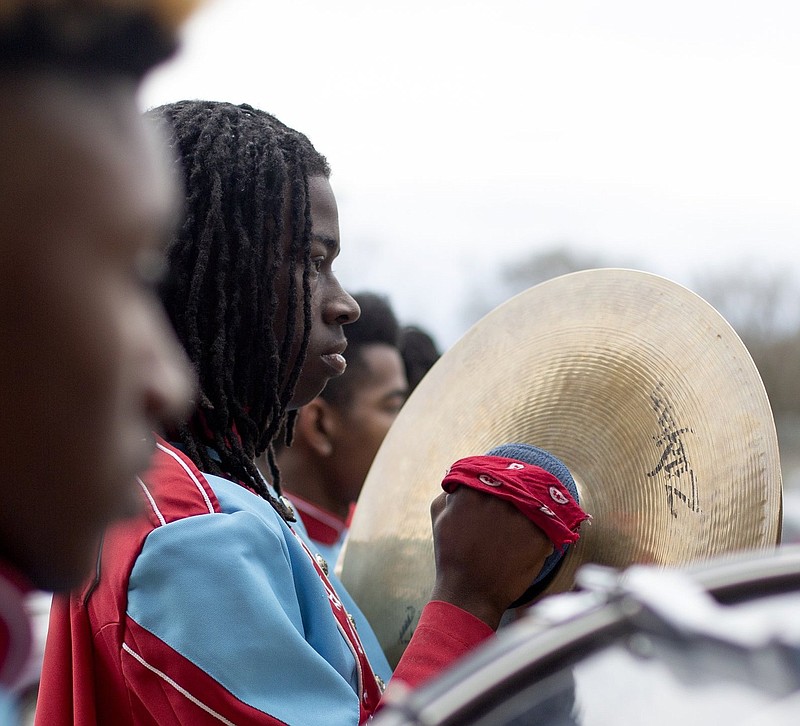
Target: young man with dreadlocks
column 338, row 434
column 88, row 363
column 212, row 608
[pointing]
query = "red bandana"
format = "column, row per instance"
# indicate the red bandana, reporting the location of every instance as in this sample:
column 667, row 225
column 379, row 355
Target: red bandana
column 539, row 495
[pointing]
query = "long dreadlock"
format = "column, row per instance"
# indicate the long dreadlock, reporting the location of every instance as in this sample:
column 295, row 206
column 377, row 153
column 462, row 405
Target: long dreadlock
column 231, row 271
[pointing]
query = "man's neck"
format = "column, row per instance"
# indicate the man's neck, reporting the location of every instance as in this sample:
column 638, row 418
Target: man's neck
column 308, row 481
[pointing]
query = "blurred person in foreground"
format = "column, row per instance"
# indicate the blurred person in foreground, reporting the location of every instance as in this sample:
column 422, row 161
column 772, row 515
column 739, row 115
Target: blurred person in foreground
column 211, row 607
column 337, row 435
column 89, row 366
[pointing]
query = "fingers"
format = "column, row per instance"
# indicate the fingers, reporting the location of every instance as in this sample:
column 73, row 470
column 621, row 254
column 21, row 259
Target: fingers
column 437, row 506
column 487, row 552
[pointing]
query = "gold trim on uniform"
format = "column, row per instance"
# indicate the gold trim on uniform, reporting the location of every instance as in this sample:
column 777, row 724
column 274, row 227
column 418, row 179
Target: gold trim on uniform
column 323, row 565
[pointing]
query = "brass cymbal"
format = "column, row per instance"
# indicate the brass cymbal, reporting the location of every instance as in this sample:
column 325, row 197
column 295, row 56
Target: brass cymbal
column 638, row 385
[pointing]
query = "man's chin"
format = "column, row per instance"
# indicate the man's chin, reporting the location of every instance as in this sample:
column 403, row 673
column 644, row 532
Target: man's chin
column 304, row 394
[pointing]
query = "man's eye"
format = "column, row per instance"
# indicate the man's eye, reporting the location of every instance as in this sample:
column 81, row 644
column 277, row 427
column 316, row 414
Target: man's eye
column 316, row 265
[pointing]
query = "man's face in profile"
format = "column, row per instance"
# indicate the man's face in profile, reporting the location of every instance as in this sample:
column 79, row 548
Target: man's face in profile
column 88, row 363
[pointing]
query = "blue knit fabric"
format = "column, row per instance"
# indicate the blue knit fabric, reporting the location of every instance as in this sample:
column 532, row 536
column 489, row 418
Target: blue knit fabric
column 544, row 460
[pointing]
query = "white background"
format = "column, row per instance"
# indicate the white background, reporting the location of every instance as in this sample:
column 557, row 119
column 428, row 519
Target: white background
column 468, row 134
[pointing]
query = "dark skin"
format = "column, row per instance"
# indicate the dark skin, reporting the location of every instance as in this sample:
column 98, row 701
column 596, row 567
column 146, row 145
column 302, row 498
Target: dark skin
column 487, row 553
column 332, row 307
column 89, row 365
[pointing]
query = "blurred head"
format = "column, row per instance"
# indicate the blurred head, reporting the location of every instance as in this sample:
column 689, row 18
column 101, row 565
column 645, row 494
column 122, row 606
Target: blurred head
column 250, row 286
column 338, row 434
column 419, row 353
column 88, row 365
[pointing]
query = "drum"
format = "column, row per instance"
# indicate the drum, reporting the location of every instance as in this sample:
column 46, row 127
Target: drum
column 717, row 644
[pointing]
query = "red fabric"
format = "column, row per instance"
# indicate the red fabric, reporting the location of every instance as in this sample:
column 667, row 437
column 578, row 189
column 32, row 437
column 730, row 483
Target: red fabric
column 85, row 666
column 539, row 495
column 91, row 678
column 99, row 665
column 351, row 512
column 176, row 707
column 370, row 691
column 322, row 526
column 444, row 634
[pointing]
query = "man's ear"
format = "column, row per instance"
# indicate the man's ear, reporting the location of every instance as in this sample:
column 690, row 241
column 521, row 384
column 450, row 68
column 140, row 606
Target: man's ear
column 314, row 425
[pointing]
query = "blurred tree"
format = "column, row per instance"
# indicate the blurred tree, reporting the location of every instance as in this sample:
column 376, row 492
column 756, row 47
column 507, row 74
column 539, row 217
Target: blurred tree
column 760, row 303
column 762, row 306
column 515, row 277
column 546, row 265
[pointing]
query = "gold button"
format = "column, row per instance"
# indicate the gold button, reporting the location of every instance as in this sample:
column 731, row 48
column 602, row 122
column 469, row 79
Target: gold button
column 289, row 509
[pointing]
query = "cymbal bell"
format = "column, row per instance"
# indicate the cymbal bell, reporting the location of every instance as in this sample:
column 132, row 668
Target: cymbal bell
column 638, row 385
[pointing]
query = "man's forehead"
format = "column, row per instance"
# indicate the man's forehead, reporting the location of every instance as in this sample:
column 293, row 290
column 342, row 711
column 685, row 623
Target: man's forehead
column 70, row 138
column 63, row 112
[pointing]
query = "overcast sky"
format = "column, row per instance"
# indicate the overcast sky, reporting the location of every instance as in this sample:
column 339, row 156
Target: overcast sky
column 467, row 134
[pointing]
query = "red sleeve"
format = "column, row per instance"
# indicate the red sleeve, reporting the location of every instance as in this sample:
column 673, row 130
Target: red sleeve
column 444, row 634
column 67, row 684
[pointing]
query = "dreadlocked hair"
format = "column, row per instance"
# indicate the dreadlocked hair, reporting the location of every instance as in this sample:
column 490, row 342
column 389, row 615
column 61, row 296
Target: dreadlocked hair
column 240, row 259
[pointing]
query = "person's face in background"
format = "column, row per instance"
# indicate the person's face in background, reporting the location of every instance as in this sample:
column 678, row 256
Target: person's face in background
column 357, row 428
column 89, row 366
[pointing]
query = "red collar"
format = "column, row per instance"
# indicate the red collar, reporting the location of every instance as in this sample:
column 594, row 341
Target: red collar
column 322, row 526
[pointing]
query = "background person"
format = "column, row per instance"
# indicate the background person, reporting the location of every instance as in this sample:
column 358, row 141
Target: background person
column 419, row 352
column 337, row 435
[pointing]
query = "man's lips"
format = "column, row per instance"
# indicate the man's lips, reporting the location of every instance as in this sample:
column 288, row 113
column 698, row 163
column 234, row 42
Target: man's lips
column 335, row 361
